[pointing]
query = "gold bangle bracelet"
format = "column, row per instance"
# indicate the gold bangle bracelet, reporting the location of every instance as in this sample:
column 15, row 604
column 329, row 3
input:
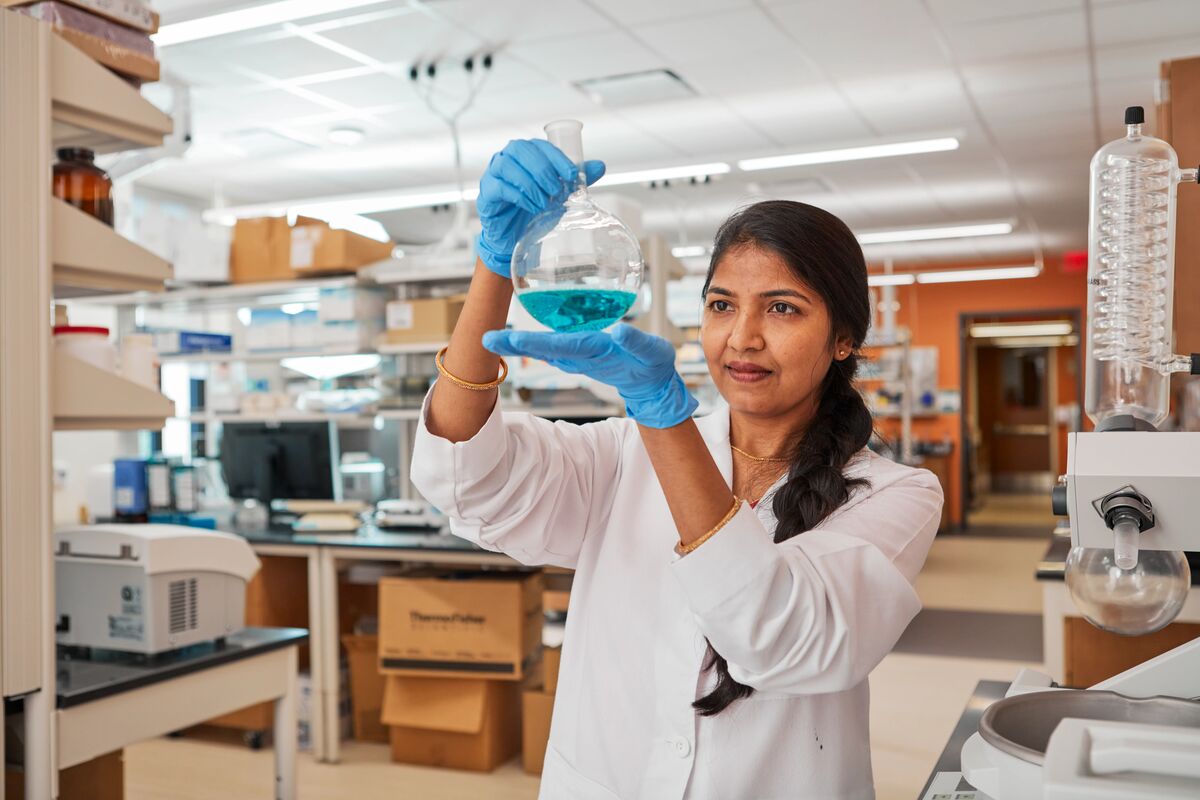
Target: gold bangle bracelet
column 683, row 549
column 457, row 381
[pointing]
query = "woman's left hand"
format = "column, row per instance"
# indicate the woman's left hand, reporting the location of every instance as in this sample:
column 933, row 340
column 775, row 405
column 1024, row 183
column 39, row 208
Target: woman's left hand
column 641, row 367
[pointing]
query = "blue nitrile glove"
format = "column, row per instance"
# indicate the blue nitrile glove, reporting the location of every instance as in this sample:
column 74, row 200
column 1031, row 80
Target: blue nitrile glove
column 520, row 182
column 638, row 365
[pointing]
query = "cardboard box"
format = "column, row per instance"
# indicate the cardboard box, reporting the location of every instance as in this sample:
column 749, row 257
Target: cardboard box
column 416, row 321
column 448, row 722
column 366, row 687
column 550, row 661
column 130, row 13
column 268, row 249
column 315, row 248
column 260, row 251
column 119, row 59
column 466, row 625
column 536, row 709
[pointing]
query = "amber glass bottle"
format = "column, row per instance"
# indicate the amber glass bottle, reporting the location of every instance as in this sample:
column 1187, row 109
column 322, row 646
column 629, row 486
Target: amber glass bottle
column 79, row 182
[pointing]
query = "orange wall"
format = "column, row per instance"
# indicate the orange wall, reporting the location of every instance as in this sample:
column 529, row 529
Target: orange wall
column 931, row 312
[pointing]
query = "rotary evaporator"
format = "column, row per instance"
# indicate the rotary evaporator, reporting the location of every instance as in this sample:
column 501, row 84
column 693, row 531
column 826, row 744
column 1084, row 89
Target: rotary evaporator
column 1130, row 492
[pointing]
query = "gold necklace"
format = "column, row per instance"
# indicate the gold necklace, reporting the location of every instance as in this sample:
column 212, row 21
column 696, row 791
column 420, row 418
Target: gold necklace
column 773, row 459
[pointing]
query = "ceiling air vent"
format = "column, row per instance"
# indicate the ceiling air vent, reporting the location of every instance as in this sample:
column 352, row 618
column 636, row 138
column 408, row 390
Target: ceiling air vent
column 651, row 86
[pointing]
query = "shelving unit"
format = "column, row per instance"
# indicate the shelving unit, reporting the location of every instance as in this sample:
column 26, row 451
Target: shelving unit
column 265, row 355
column 52, row 95
column 89, row 398
column 386, row 348
column 349, row 419
column 92, row 258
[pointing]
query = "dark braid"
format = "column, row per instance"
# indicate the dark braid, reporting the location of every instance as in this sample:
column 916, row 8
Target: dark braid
column 824, row 254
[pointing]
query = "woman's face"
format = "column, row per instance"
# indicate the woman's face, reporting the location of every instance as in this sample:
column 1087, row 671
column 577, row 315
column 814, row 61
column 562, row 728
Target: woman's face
column 766, row 335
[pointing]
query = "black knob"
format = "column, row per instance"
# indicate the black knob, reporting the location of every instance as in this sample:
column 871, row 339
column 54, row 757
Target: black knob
column 1135, row 115
column 1058, row 501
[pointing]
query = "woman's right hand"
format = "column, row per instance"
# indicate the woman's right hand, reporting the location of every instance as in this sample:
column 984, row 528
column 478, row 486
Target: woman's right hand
column 520, row 182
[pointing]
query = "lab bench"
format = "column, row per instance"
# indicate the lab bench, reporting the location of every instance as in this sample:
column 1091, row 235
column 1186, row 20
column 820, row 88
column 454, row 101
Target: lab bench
column 323, row 555
column 107, row 702
column 1078, row 654
column 945, row 781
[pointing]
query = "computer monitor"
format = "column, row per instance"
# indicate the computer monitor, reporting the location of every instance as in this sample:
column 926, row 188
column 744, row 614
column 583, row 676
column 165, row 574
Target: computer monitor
column 281, row 460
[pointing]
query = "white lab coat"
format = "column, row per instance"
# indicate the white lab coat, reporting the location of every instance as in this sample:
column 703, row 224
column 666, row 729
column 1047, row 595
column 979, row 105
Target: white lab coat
column 803, row 622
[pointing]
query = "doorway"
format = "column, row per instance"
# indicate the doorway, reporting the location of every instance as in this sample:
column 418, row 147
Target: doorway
column 1023, row 395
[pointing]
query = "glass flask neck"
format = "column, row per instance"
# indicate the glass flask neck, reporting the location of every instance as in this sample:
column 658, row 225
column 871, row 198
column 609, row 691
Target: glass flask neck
column 579, row 192
column 1133, row 131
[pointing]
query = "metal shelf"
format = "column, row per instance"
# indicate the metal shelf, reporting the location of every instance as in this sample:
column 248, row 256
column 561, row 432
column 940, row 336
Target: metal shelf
column 86, row 397
column 343, row 420
column 91, row 258
column 268, row 355
column 236, row 294
column 93, row 108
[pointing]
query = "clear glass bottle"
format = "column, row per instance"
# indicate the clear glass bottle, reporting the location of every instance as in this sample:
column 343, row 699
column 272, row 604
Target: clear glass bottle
column 79, row 182
column 576, row 267
column 1131, row 251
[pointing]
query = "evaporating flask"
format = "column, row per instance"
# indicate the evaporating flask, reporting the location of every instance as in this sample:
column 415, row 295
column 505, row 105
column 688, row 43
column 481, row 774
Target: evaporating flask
column 576, row 267
column 1131, row 252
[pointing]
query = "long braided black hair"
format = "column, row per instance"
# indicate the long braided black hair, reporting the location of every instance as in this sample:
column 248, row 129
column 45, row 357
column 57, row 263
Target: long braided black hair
column 822, row 252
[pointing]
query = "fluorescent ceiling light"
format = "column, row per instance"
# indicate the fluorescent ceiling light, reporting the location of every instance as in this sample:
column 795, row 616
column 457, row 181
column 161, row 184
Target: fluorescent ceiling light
column 249, row 18
column 947, row 232
column 851, row 154
column 361, row 467
column 896, row 279
column 996, row 330
column 329, row 367
column 689, row 251
column 343, row 207
column 664, row 174
column 989, row 274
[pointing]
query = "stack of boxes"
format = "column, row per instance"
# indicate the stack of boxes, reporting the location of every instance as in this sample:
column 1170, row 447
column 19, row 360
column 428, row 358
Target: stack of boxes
column 269, row 249
column 114, row 34
column 456, row 650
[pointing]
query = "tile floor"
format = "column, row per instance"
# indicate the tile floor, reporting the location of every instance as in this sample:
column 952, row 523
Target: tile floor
column 916, row 699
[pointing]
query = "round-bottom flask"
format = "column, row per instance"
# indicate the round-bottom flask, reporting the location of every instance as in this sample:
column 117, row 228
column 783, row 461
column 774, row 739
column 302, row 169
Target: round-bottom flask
column 1131, row 602
column 576, row 267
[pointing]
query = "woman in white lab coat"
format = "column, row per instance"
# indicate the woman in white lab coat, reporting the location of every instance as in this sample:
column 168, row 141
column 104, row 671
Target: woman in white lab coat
column 737, row 576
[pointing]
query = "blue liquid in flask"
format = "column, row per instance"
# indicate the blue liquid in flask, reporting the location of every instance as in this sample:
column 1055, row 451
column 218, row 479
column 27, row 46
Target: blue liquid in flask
column 571, row 310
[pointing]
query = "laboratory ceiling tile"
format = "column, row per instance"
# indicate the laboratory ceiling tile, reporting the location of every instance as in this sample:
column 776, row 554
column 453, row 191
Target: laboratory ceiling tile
column 282, row 58
column 1121, row 62
column 625, row 147
column 955, row 11
column 404, row 39
column 1032, row 73
column 535, row 105
column 194, row 64
column 910, row 102
column 518, row 21
column 591, row 56
column 639, row 12
column 811, row 117
column 367, row 91
column 724, row 73
column 1005, row 39
column 862, row 38
column 1034, row 110
column 729, row 34
column 252, row 107
column 697, row 127
column 1145, row 21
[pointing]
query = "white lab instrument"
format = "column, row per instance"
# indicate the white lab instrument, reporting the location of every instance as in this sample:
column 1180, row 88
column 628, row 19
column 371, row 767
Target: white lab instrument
column 1130, row 493
column 576, row 267
column 149, row 588
column 408, row 514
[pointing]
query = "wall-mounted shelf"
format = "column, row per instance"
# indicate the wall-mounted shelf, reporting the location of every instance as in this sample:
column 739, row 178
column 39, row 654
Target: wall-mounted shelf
column 93, row 108
column 91, row 258
column 89, row 398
